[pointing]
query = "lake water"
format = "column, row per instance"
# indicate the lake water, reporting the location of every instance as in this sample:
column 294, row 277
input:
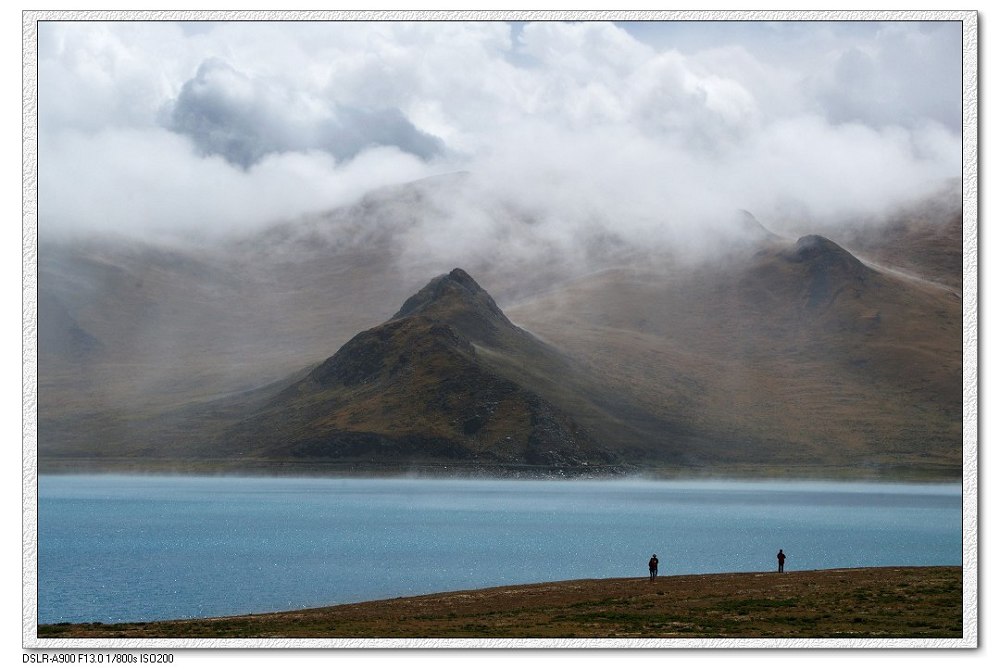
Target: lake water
column 131, row 548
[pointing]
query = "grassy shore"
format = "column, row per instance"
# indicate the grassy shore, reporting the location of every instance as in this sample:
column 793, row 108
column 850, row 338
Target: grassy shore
column 871, row 602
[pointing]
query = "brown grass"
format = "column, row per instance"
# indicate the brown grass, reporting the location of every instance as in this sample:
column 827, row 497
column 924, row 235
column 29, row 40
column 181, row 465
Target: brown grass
column 901, row 602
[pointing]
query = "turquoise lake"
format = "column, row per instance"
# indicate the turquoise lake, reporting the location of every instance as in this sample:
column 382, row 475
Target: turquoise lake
column 135, row 548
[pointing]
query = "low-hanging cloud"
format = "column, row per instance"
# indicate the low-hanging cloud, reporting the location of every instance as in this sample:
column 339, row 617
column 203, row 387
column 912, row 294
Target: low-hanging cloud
column 546, row 191
column 569, row 131
column 152, row 182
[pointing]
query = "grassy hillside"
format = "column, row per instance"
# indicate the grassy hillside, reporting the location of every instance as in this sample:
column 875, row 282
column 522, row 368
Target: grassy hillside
column 795, row 355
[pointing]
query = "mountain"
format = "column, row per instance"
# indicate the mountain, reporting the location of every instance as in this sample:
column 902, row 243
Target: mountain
column 447, row 378
column 797, row 357
column 834, row 352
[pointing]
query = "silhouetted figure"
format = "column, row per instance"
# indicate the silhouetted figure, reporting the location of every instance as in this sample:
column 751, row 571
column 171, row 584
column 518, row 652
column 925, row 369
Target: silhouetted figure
column 654, row 564
column 781, row 561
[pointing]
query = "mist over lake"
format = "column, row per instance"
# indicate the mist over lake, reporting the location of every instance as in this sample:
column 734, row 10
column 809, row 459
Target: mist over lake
column 132, row 548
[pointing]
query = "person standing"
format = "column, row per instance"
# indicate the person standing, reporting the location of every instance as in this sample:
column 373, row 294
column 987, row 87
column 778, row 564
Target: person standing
column 781, row 561
column 654, row 564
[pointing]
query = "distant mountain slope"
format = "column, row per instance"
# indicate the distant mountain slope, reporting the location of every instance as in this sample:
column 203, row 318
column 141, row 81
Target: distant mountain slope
column 798, row 354
column 923, row 240
column 60, row 337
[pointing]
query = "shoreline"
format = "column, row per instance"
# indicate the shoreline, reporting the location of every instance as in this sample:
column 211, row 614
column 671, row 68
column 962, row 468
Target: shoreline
column 859, row 602
column 335, row 469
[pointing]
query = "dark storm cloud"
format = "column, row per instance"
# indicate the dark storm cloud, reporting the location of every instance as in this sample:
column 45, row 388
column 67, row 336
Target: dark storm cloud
column 227, row 113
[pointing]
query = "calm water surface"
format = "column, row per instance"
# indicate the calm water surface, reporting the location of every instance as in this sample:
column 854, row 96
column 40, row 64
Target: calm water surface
column 130, row 548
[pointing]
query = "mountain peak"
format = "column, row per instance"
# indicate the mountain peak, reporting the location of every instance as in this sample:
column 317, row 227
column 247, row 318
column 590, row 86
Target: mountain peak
column 820, row 251
column 461, row 277
column 456, row 298
column 811, row 246
column 755, row 231
column 830, row 268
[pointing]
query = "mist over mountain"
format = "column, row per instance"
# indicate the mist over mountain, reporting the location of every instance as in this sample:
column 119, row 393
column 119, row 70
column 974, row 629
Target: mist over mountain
column 772, row 354
column 699, row 245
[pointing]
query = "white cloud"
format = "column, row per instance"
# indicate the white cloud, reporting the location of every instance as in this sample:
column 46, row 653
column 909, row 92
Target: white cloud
column 153, row 181
column 906, row 75
column 582, row 125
